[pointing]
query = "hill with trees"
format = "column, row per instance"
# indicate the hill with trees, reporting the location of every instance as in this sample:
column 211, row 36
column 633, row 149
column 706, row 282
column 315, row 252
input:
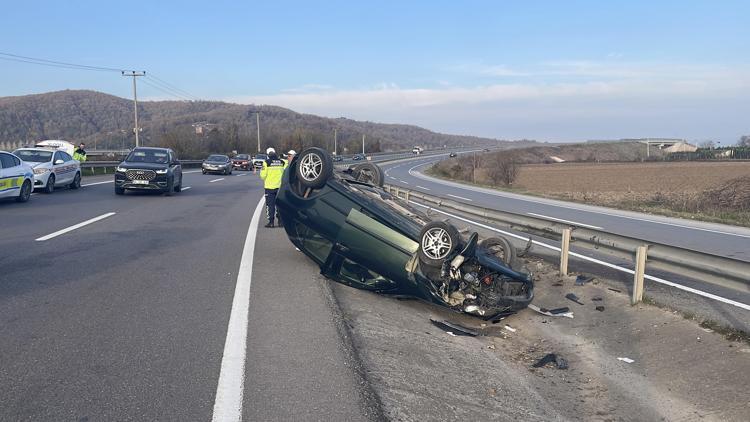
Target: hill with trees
column 198, row 127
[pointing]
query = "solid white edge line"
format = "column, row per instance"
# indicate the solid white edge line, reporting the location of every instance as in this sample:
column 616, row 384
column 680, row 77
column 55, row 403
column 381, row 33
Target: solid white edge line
column 459, row 197
column 215, row 180
column 73, row 227
column 564, row 221
column 187, row 187
column 598, row 261
column 420, row 175
column 229, row 391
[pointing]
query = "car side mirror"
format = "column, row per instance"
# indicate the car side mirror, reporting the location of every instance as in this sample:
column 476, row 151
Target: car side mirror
column 58, row 161
column 176, row 162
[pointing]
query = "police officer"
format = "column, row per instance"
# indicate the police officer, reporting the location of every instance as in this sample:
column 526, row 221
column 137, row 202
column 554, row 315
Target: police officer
column 273, row 169
column 80, row 154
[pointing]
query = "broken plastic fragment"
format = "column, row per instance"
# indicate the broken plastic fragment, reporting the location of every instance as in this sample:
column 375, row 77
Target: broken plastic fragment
column 582, row 279
column 536, row 309
column 626, row 360
column 511, row 329
column 454, row 329
column 574, row 298
column 600, row 308
column 560, row 362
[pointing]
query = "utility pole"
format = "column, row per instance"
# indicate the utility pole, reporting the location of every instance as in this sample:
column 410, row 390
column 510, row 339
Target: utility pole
column 135, row 74
column 257, row 125
column 334, row 142
column 363, row 143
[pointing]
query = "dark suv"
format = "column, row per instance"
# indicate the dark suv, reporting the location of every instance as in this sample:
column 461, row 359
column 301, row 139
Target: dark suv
column 362, row 236
column 149, row 169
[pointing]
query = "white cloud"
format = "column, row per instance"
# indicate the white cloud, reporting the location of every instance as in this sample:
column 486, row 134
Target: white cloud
column 608, row 97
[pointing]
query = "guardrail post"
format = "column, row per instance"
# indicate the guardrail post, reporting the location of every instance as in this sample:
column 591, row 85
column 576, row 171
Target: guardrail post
column 640, row 269
column 406, row 195
column 564, row 251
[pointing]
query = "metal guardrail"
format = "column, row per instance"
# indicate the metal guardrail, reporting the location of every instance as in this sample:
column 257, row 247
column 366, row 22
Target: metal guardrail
column 705, row 267
column 104, row 165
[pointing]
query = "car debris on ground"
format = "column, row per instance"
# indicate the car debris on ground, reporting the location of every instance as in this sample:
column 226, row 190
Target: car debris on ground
column 582, row 279
column 453, row 328
column 548, row 313
column 626, row 360
column 560, row 362
column 574, row 298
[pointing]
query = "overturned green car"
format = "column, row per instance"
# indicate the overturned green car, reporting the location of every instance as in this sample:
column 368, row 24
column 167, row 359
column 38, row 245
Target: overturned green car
column 364, row 237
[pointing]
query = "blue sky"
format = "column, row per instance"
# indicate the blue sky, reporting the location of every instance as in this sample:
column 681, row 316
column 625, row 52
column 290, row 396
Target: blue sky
column 553, row 70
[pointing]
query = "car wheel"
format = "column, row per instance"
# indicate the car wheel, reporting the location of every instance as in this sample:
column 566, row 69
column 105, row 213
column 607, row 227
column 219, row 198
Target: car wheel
column 170, row 187
column 50, row 187
column 314, row 168
column 178, row 188
column 25, row 193
column 437, row 241
column 119, row 190
column 204, row 171
column 369, row 173
column 500, row 248
column 76, row 182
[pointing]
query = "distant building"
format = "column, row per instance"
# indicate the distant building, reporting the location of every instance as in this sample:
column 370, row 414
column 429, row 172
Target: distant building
column 201, row 128
column 680, row 147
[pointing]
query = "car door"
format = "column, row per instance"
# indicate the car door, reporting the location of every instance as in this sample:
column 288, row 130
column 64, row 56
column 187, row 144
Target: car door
column 67, row 168
column 11, row 175
column 373, row 252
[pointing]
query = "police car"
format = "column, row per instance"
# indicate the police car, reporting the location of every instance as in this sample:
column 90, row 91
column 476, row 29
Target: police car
column 16, row 178
column 52, row 168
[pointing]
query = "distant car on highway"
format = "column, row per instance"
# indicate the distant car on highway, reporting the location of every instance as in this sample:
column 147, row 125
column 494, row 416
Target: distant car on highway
column 147, row 168
column 358, row 157
column 52, row 168
column 16, row 178
column 217, row 163
column 258, row 160
column 338, row 158
column 364, row 237
column 241, row 161
column 453, row 154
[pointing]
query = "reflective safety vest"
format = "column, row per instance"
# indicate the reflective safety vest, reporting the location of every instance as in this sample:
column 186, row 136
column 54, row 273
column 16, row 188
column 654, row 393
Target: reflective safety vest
column 79, row 156
column 273, row 169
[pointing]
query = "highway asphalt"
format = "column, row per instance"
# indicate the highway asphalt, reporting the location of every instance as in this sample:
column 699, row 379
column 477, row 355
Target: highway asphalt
column 127, row 318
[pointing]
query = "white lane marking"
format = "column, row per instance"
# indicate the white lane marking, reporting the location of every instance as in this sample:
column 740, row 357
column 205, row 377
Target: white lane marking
column 404, row 182
column 391, row 177
column 422, row 187
column 98, row 183
column 500, row 194
column 596, row 261
column 187, row 187
column 73, row 227
column 228, row 403
column 241, row 174
column 460, row 197
column 575, row 223
column 215, row 180
column 191, row 171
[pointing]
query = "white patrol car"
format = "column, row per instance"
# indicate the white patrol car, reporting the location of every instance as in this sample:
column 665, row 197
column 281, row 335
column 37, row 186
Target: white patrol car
column 52, row 168
column 16, row 178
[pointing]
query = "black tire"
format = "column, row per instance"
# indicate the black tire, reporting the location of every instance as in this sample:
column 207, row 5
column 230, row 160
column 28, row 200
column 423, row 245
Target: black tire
column 178, row 187
column 501, row 248
column 76, row 182
column 437, row 241
column 25, row 193
column 119, row 191
column 204, row 171
column 369, row 173
column 313, row 168
column 50, row 187
column 170, row 187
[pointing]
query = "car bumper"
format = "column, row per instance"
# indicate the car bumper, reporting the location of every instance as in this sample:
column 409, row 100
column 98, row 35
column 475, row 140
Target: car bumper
column 215, row 168
column 244, row 166
column 158, row 183
column 40, row 180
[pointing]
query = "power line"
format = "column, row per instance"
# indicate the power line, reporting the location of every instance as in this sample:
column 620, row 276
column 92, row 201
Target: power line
column 156, row 82
column 45, row 62
column 174, row 88
column 166, row 91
